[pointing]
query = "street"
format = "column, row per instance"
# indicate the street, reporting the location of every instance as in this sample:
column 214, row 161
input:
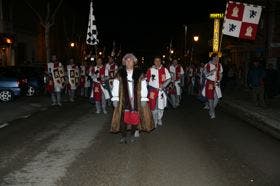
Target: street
column 72, row 145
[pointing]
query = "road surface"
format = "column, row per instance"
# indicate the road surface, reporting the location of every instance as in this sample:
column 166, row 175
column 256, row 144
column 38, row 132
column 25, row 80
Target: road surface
column 72, row 146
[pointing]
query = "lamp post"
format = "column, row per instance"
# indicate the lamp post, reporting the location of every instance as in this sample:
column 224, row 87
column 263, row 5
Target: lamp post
column 195, row 39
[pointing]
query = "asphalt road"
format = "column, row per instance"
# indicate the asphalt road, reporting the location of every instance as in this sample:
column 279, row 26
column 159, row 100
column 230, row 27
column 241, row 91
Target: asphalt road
column 72, row 146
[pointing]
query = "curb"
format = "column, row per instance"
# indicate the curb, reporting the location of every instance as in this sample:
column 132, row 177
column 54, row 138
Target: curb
column 261, row 122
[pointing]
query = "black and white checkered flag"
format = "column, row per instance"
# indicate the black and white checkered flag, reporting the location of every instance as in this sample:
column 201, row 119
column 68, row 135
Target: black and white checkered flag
column 92, row 31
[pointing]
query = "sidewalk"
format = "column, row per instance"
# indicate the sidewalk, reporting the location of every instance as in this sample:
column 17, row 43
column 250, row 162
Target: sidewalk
column 241, row 105
column 22, row 107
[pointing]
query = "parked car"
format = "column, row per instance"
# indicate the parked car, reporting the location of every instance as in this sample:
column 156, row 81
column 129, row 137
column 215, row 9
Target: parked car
column 35, row 79
column 11, row 84
column 22, row 80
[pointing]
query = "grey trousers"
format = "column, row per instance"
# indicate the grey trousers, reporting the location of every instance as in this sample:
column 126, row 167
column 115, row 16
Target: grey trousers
column 157, row 115
column 56, row 97
column 72, row 94
column 101, row 103
column 212, row 104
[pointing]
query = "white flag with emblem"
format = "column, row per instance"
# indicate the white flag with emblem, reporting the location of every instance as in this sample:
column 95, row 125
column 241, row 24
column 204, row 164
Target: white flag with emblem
column 241, row 20
column 92, row 31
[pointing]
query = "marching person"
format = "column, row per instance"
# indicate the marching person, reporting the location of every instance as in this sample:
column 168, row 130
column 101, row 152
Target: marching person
column 177, row 77
column 99, row 93
column 111, row 69
column 72, row 79
column 56, row 80
column 158, row 78
column 130, row 100
column 212, row 91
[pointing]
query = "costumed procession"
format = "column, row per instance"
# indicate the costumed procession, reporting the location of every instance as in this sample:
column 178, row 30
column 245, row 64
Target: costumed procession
column 138, row 98
column 138, row 93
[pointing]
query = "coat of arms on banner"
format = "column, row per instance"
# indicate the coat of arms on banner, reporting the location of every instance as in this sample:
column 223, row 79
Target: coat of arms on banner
column 241, row 20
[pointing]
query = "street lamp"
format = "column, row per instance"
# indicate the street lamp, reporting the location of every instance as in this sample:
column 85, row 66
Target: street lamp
column 172, row 51
column 72, row 44
column 196, row 38
column 9, row 41
column 100, row 53
column 163, row 56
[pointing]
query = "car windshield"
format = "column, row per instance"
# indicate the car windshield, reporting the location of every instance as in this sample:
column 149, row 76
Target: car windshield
column 10, row 72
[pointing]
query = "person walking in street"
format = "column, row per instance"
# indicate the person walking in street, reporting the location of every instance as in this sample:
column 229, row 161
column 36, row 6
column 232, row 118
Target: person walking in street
column 72, row 69
column 111, row 69
column 212, row 91
column 256, row 76
column 99, row 92
column 177, row 78
column 56, row 83
column 158, row 78
column 130, row 100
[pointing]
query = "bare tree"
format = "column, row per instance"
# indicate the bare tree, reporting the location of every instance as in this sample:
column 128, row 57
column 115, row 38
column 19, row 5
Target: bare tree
column 46, row 22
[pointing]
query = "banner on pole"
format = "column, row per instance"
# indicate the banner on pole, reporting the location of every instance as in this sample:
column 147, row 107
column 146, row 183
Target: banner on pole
column 241, row 20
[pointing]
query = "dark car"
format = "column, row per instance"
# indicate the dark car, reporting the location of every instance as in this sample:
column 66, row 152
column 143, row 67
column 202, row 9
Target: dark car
column 11, row 84
column 22, row 80
column 35, row 79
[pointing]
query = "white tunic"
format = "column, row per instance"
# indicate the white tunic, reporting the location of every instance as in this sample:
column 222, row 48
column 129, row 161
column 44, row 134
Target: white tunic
column 116, row 83
column 154, row 71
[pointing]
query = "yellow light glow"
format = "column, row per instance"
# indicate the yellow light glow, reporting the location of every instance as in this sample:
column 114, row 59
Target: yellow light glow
column 100, row 53
column 216, row 16
column 9, row 41
column 172, row 51
column 195, row 38
column 216, row 35
column 72, row 44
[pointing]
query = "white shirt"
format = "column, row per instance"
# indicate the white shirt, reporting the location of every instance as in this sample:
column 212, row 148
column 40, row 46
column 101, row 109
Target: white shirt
column 155, row 71
column 116, row 85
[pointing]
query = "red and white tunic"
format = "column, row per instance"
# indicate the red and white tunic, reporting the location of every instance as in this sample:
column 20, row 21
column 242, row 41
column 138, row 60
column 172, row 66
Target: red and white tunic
column 111, row 69
column 98, row 75
column 213, row 76
column 176, row 73
column 156, row 77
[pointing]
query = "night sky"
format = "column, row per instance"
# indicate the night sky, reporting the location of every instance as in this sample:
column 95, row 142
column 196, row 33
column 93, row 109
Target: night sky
column 142, row 25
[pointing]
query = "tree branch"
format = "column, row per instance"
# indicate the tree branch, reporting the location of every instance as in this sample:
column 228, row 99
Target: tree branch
column 36, row 12
column 56, row 9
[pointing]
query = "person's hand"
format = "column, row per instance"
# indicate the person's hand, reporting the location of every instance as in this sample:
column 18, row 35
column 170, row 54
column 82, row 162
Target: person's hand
column 143, row 103
column 115, row 104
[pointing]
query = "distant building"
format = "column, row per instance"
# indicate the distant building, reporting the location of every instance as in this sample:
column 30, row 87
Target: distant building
column 18, row 33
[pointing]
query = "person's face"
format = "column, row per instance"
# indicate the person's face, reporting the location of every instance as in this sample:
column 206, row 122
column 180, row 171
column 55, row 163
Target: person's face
column 110, row 60
column 99, row 62
column 129, row 63
column 216, row 60
column 157, row 62
column 54, row 58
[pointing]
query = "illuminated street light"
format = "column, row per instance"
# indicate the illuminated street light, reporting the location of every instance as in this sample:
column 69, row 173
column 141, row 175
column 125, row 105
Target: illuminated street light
column 171, row 51
column 92, row 58
column 72, row 44
column 163, row 56
column 9, row 41
column 195, row 38
column 100, row 53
